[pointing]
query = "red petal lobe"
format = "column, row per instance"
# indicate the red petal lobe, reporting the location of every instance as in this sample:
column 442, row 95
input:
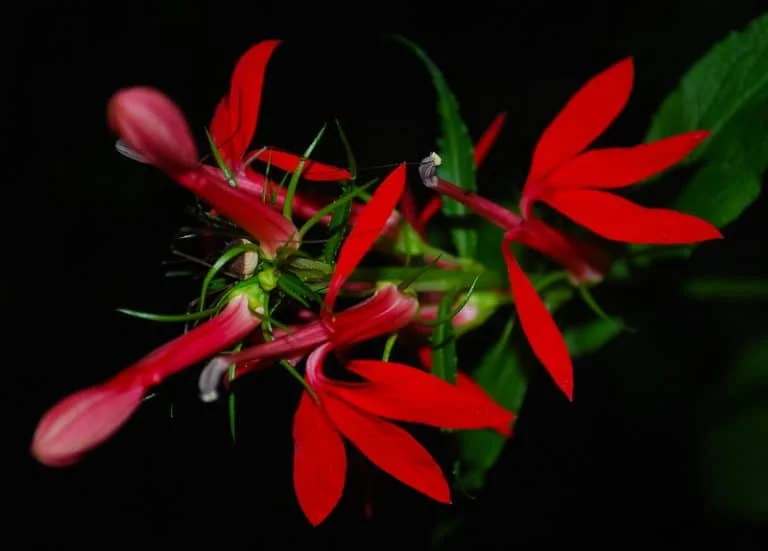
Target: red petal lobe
column 619, row 167
column 245, row 94
column 390, row 448
column 586, row 115
column 367, row 229
column 312, row 170
column 539, row 327
column 319, row 461
column 616, row 218
column 489, row 138
column 404, row 393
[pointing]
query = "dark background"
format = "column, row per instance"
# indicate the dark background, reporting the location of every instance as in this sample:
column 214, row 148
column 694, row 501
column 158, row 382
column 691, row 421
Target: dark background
column 87, row 232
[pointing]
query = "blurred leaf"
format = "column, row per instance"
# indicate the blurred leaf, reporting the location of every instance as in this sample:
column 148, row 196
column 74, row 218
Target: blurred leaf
column 733, row 448
column 590, row 337
column 501, row 374
column 725, row 92
column 444, row 360
column 731, row 288
column 456, row 150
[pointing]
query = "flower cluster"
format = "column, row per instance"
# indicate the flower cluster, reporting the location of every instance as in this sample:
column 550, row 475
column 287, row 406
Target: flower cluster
column 363, row 404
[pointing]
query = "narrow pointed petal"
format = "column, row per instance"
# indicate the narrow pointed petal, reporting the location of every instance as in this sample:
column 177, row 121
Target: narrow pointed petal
column 82, row 421
column 489, row 137
column 619, row 167
column 153, row 126
column 245, row 94
column 312, row 170
column 269, row 227
column 586, row 115
column 390, row 448
column 618, row 219
column 537, row 323
column 319, row 461
column 222, row 131
column 367, row 229
column 403, row 393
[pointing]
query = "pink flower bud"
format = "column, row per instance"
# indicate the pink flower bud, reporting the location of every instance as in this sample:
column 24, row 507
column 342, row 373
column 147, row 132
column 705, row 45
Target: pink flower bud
column 154, row 127
column 83, row 421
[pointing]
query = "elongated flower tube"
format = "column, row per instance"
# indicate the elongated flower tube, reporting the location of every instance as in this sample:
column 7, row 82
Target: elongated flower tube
column 387, row 311
column 154, row 127
column 361, row 411
column 86, row 419
column 571, row 181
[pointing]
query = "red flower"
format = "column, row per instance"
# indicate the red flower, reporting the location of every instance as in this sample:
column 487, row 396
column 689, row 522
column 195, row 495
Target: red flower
column 87, row 418
column 357, row 410
column 389, row 390
column 568, row 179
column 154, row 127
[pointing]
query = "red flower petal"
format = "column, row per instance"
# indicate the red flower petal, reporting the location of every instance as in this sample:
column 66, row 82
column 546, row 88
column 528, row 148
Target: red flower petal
column 539, row 327
column 312, row 170
column 586, row 115
column 222, row 131
column 83, row 421
column 404, row 393
column 367, row 229
column 245, row 94
column 390, row 448
column 616, row 218
column 488, row 138
column 319, row 461
column 619, row 167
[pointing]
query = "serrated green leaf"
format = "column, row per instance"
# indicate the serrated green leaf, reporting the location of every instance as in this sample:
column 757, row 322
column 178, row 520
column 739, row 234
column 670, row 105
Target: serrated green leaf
column 590, row 337
column 456, row 150
column 502, row 375
column 725, row 92
column 444, row 359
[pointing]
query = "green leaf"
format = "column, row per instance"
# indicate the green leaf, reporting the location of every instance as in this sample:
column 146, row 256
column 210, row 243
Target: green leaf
column 456, row 150
column 590, row 337
column 502, row 375
column 444, row 360
column 725, row 92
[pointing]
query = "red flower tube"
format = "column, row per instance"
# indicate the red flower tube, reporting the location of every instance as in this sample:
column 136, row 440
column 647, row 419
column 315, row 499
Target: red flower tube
column 86, row 419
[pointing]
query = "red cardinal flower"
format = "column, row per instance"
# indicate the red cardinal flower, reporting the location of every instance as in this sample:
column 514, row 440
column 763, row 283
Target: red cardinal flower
column 357, row 411
column 570, row 179
column 388, row 390
column 87, row 418
column 154, row 127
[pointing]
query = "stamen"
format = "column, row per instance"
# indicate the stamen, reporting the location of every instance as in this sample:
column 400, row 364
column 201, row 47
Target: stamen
column 428, row 169
column 132, row 154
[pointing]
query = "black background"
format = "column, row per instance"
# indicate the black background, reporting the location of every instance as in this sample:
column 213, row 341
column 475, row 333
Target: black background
column 87, row 231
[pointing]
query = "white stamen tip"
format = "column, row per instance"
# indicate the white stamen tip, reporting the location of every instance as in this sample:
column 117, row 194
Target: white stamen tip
column 132, row 154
